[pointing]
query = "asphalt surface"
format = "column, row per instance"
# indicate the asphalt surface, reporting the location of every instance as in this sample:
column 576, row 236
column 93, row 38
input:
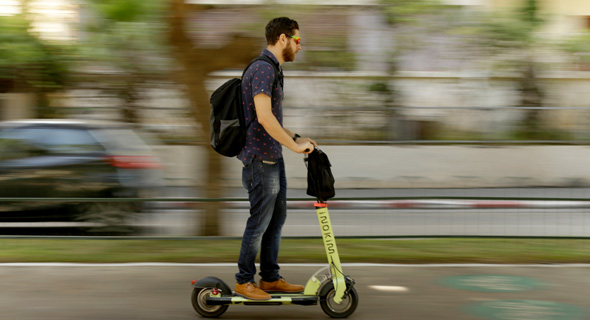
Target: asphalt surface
column 538, row 212
column 386, row 292
column 504, row 222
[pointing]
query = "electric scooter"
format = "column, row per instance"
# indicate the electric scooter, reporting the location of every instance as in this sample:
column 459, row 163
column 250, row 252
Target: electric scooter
column 329, row 286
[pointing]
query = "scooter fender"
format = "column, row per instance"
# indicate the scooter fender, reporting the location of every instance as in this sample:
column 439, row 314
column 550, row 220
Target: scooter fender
column 213, row 282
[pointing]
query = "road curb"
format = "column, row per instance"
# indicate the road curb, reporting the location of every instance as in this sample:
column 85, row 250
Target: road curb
column 401, row 204
column 446, row 204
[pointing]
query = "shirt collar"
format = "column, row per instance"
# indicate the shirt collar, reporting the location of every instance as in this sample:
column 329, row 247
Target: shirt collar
column 267, row 52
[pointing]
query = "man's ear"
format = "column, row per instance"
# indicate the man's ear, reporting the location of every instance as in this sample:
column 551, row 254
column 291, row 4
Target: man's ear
column 283, row 39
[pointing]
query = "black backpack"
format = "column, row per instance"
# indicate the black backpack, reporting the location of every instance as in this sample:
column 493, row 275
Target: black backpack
column 227, row 122
column 320, row 181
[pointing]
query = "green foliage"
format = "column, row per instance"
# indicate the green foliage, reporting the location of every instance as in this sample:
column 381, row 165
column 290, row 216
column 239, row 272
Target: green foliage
column 122, row 10
column 579, row 47
column 27, row 61
column 407, row 12
column 328, row 59
column 513, row 30
column 503, row 31
column 529, row 13
column 578, row 43
column 380, row 87
column 109, row 11
column 124, row 34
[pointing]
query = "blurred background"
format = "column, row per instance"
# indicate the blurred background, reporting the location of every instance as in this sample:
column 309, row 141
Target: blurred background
column 424, row 107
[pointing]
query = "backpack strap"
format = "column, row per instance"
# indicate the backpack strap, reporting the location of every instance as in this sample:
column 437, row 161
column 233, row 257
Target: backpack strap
column 278, row 73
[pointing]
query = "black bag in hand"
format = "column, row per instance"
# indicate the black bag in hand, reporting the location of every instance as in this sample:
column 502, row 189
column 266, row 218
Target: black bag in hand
column 320, row 181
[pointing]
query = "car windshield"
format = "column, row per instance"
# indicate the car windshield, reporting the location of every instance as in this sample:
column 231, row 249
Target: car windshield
column 121, row 140
column 50, row 140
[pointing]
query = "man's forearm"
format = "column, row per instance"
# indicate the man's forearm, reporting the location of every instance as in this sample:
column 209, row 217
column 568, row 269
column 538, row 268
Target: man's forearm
column 289, row 132
column 277, row 132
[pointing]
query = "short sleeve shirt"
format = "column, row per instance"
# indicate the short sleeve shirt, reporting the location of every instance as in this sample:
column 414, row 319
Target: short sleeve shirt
column 259, row 78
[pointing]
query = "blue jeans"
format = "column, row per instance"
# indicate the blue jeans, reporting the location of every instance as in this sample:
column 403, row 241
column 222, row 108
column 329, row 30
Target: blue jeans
column 267, row 191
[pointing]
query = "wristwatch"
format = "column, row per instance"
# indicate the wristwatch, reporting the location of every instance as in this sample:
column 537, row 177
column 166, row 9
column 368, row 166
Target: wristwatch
column 295, row 137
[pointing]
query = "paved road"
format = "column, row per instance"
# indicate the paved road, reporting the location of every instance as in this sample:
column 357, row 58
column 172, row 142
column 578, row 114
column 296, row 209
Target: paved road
column 383, row 218
column 550, row 222
column 440, row 217
column 97, row 292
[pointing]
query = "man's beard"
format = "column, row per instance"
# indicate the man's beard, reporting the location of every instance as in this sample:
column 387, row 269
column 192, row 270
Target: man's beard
column 288, row 54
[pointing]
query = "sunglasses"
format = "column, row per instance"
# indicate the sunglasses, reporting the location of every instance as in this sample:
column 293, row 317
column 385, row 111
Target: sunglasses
column 297, row 39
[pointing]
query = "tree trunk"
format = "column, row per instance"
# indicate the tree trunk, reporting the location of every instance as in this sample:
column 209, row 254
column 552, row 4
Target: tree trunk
column 129, row 95
column 196, row 64
column 531, row 96
column 199, row 95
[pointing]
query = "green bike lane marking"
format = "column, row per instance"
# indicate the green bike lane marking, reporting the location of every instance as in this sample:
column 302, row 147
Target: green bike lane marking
column 511, row 309
column 525, row 310
column 491, row 283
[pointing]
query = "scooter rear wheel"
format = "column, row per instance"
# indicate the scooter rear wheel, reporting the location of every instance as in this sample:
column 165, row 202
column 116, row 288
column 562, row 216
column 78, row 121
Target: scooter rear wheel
column 199, row 300
column 349, row 302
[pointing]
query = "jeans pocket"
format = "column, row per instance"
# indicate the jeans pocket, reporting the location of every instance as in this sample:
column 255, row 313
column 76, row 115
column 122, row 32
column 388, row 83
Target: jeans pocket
column 269, row 163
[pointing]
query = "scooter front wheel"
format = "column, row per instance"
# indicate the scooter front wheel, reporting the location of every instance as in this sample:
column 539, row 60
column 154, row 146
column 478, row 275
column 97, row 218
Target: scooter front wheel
column 349, row 302
column 199, row 300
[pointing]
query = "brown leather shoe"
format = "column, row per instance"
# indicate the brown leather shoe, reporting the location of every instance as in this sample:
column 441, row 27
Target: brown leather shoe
column 281, row 285
column 251, row 291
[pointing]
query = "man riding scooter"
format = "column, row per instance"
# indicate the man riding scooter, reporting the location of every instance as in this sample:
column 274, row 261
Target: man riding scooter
column 263, row 174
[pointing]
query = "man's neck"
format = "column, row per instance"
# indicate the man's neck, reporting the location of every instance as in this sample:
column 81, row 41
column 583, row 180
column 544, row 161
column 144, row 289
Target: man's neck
column 277, row 53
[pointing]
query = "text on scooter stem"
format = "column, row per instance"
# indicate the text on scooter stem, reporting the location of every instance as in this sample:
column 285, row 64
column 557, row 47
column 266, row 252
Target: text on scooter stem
column 327, row 233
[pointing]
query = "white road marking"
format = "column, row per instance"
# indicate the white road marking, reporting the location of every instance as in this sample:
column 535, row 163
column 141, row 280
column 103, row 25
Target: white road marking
column 390, row 288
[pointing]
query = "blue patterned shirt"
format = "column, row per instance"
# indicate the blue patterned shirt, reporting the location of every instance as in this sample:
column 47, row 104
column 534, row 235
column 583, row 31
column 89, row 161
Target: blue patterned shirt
column 259, row 78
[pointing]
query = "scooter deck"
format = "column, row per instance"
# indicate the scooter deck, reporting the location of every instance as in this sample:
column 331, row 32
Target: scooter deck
column 276, row 299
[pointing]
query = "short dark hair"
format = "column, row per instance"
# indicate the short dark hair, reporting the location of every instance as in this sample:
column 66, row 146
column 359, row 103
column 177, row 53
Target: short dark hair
column 278, row 26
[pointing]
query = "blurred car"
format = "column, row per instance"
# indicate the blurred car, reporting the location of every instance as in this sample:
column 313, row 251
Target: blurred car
column 74, row 159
